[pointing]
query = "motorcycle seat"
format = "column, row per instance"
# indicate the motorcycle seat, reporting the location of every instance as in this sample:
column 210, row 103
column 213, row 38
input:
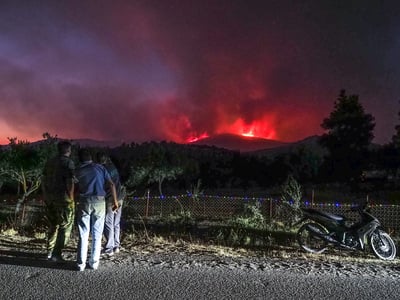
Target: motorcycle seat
column 324, row 214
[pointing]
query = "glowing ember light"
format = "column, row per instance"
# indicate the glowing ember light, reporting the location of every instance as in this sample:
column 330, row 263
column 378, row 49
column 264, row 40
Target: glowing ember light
column 257, row 128
column 195, row 139
column 249, row 133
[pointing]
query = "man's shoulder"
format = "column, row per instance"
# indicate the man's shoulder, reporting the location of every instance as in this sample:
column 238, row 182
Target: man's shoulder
column 60, row 162
column 67, row 162
column 92, row 167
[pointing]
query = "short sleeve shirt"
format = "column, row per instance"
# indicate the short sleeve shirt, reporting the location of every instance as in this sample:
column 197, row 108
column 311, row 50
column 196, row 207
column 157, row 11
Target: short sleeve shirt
column 115, row 178
column 92, row 179
column 57, row 174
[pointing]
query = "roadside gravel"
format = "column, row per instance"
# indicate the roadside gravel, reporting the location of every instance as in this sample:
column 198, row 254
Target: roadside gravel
column 163, row 254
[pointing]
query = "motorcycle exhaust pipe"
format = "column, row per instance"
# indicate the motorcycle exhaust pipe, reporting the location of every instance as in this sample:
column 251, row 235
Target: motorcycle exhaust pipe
column 325, row 236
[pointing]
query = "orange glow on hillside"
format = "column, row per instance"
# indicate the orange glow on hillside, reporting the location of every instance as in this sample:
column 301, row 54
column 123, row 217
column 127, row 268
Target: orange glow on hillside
column 197, row 138
column 257, row 128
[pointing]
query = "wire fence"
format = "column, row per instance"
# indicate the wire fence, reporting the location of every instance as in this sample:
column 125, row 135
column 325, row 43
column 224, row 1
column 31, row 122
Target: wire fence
column 211, row 207
column 224, row 207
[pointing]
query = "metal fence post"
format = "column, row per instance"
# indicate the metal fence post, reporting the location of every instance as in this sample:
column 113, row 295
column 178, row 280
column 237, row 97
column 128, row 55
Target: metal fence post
column 147, row 203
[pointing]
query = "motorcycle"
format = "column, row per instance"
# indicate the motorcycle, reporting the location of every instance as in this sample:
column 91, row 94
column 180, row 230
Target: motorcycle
column 323, row 229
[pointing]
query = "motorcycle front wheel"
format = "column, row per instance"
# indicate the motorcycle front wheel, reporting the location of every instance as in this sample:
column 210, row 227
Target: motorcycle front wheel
column 382, row 245
column 308, row 239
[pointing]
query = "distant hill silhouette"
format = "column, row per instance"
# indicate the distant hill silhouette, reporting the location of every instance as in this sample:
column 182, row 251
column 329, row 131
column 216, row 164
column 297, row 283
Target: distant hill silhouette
column 232, row 142
column 239, row 143
column 310, row 143
column 80, row 142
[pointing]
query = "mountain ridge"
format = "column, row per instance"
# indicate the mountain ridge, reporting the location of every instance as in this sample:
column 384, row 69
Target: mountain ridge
column 232, row 142
column 239, row 142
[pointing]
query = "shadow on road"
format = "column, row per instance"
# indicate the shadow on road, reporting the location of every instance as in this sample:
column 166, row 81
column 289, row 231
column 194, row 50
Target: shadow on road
column 29, row 259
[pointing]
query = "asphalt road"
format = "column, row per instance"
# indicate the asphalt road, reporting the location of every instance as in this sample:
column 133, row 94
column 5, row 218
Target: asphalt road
column 38, row 279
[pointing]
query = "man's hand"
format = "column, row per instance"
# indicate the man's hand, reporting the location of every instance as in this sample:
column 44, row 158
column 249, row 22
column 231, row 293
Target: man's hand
column 115, row 207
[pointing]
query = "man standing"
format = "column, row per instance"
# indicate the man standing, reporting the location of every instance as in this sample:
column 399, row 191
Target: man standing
column 58, row 191
column 92, row 179
column 113, row 218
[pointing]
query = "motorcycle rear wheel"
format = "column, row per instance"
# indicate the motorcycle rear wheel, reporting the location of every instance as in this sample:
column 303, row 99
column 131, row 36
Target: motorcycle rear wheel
column 382, row 245
column 309, row 240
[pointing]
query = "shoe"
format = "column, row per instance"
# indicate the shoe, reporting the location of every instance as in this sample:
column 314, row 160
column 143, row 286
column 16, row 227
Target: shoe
column 80, row 268
column 57, row 258
column 94, row 267
column 116, row 250
column 107, row 254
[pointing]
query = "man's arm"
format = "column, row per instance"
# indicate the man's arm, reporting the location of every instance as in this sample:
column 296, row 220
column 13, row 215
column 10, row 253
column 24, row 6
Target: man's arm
column 70, row 188
column 113, row 193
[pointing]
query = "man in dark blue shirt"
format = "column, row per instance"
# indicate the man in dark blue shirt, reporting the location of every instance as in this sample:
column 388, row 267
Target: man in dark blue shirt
column 92, row 181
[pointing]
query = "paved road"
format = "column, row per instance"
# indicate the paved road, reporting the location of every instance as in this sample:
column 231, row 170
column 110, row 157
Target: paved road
column 38, row 279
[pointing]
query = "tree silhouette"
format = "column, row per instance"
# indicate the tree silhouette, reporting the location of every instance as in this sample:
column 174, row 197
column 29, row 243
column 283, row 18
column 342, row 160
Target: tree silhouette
column 349, row 134
column 396, row 136
column 23, row 163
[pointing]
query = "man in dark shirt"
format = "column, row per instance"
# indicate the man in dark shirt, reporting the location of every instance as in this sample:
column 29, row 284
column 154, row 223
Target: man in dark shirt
column 58, row 191
column 92, row 179
column 112, row 228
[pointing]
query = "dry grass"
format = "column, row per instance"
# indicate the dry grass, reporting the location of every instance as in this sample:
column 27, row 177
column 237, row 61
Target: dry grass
column 135, row 243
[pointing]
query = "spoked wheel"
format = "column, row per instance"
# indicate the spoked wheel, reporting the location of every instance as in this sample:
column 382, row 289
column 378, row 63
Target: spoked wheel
column 307, row 237
column 382, row 245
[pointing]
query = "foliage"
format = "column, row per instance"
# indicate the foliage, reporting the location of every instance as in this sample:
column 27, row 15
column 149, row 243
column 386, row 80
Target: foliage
column 349, row 134
column 157, row 166
column 152, row 174
column 252, row 217
column 195, row 191
column 288, row 209
column 396, row 136
column 22, row 164
column 180, row 217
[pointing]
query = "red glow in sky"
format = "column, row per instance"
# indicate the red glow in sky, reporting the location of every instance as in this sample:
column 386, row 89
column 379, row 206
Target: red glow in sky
column 256, row 128
column 195, row 139
column 137, row 71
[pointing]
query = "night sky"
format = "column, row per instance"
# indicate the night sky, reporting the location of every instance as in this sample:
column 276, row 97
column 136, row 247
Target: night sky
column 177, row 70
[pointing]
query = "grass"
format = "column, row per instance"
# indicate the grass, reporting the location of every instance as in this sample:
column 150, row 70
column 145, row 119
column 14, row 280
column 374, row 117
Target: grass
column 247, row 235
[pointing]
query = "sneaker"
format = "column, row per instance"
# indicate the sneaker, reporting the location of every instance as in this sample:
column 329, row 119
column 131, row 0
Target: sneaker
column 80, row 268
column 57, row 258
column 116, row 250
column 107, row 254
column 94, row 267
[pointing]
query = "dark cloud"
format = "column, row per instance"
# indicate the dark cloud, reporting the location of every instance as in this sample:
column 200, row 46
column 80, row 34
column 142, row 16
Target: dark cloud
column 171, row 70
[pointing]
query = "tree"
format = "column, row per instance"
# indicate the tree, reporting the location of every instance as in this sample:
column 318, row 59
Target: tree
column 153, row 174
column 396, row 136
column 349, row 134
column 23, row 162
column 158, row 166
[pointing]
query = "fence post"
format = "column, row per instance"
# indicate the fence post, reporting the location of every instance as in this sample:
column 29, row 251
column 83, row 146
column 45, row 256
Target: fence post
column 147, row 203
column 312, row 198
column 270, row 210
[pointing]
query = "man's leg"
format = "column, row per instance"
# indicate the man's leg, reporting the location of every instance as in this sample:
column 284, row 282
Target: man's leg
column 83, row 220
column 66, row 214
column 52, row 231
column 117, row 226
column 109, row 229
column 97, row 226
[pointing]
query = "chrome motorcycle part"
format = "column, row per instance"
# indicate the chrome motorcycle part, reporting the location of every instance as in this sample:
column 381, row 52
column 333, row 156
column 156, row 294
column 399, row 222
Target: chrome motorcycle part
column 382, row 245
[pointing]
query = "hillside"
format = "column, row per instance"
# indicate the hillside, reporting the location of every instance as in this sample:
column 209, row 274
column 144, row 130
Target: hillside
column 239, row 143
column 309, row 143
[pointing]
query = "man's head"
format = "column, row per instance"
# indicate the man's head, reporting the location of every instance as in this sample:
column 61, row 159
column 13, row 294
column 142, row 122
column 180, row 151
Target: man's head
column 84, row 155
column 64, row 148
column 102, row 158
